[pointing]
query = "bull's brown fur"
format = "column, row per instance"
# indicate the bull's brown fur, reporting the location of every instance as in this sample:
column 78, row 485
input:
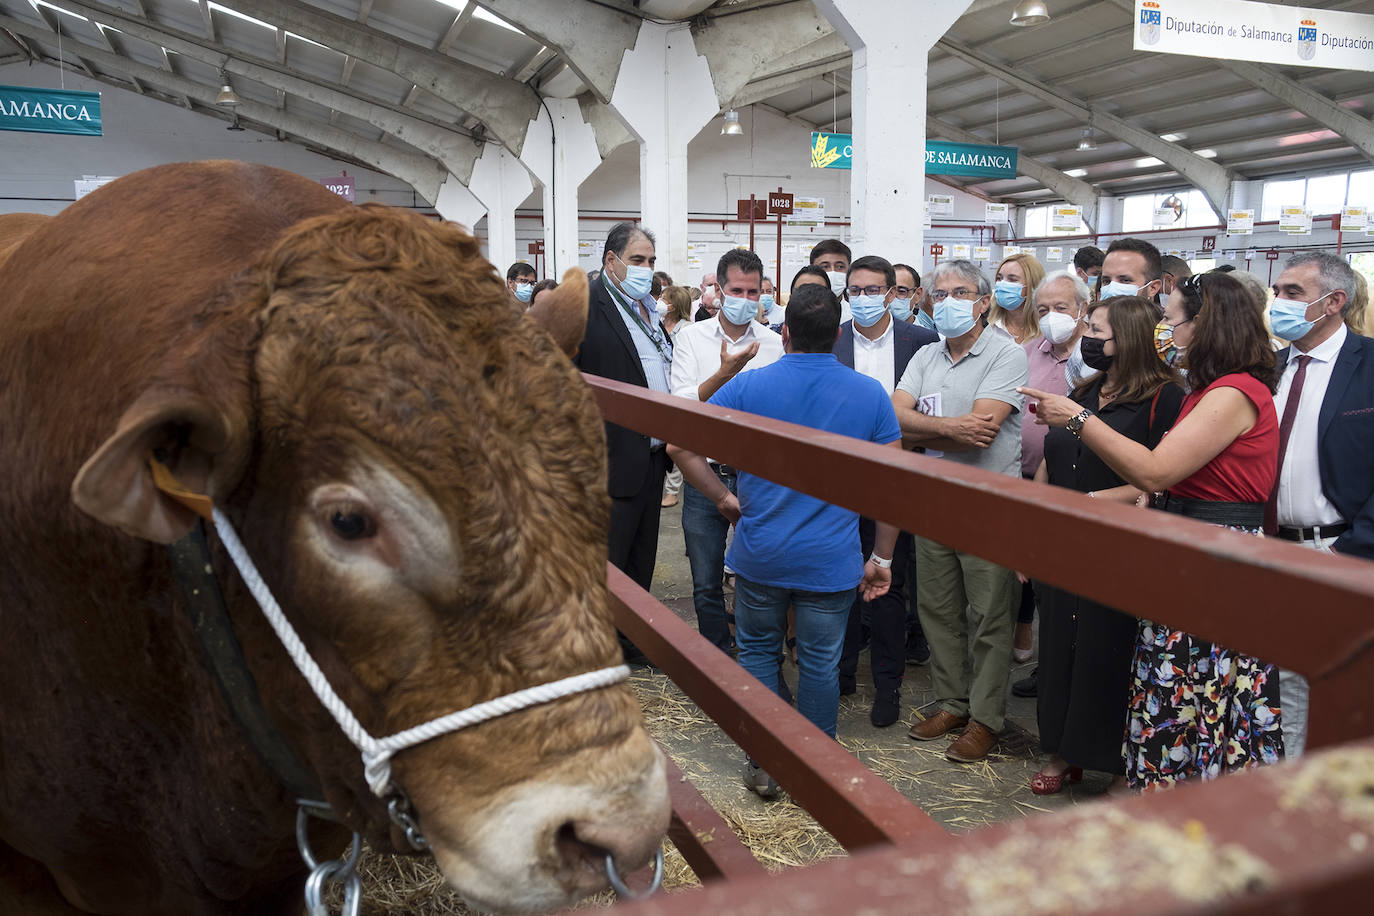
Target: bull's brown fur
column 344, row 333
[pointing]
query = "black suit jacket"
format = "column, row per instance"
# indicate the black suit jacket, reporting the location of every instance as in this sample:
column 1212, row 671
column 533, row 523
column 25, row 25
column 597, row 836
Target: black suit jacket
column 608, row 351
column 907, row 339
column 1345, row 441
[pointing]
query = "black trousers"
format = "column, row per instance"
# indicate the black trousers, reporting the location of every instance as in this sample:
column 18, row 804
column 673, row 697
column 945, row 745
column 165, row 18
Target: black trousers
column 886, row 619
column 633, row 538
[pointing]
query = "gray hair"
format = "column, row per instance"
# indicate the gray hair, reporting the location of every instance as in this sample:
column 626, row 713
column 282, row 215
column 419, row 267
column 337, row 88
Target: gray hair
column 1254, row 286
column 1081, row 293
column 964, row 270
column 1333, row 273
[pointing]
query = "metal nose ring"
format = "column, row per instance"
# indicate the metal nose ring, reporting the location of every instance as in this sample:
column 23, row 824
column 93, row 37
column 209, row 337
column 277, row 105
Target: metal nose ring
column 624, row 892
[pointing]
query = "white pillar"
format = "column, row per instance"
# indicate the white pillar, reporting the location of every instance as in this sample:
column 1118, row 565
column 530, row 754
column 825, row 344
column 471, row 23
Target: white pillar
column 665, row 96
column 560, row 153
column 458, row 205
column 891, row 40
column 501, row 183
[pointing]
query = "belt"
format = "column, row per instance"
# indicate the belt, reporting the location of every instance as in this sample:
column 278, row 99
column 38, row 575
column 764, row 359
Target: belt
column 1218, row 512
column 1315, row 533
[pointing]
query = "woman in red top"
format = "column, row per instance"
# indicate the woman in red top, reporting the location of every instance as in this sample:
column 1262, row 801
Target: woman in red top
column 1198, row 710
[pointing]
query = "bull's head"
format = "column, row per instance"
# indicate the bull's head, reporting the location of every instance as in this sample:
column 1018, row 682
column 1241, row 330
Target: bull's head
column 419, row 473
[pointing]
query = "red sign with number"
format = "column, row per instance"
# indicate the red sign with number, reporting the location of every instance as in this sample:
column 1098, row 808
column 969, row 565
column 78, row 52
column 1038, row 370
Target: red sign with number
column 342, row 186
column 937, row 249
column 1209, row 243
column 779, row 203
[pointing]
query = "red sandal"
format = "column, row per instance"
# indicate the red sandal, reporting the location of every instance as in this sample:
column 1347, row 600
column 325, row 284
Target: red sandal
column 1045, row 784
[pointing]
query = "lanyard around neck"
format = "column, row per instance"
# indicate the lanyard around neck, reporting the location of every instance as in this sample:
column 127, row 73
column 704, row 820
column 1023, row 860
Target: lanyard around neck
column 620, row 301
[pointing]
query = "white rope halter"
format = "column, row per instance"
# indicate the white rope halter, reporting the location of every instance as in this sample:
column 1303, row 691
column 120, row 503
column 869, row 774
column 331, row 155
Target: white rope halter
column 377, row 752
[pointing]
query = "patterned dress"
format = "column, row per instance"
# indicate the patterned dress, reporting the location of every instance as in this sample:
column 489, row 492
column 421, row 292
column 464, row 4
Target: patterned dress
column 1199, row 710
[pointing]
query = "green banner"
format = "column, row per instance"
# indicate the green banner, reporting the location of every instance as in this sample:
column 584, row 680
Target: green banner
column 50, row 111
column 836, row 151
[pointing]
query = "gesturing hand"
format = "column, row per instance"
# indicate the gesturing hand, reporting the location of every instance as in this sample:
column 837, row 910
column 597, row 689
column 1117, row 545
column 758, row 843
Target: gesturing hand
column 973, row 429
column 1051, row 409
column 732, row 363
column 877, row 580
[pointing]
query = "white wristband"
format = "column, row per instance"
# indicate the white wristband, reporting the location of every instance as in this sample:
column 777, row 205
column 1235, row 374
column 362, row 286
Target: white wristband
column 884, row 564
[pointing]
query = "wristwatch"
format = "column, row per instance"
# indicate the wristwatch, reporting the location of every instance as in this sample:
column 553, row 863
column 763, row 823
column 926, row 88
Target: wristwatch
column 882, row 564
column 1075, row 424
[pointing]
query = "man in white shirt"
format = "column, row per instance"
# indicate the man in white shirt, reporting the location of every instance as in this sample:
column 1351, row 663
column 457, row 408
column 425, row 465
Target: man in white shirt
column 707, row 355
column 1324, row 492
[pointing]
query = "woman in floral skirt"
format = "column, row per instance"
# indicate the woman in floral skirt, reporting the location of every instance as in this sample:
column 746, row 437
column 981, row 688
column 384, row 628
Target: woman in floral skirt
column 1198, row 709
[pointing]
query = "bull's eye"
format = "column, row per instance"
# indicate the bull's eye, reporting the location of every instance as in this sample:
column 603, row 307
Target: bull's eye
column 352, row 526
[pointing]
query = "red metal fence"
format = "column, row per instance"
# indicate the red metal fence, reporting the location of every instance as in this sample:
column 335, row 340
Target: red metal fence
column 1300, row 609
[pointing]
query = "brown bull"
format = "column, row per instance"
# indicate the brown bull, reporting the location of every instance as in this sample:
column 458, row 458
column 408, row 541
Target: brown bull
column 418, row 472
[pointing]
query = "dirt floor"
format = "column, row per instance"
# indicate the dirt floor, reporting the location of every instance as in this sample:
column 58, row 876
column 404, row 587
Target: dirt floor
column 960, row 796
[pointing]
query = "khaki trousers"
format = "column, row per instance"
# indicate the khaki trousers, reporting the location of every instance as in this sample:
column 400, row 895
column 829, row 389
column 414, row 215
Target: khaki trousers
column 967, row 608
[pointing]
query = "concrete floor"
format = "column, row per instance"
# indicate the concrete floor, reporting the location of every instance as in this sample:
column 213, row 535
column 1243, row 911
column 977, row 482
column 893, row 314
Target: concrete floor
column 961, row 796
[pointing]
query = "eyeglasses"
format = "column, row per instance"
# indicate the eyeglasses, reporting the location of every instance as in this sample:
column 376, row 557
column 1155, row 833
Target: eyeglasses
column 905, row 292
column 939, row 295
column 866, row 290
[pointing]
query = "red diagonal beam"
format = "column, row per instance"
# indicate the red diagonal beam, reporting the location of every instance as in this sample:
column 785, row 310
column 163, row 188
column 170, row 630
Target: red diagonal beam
column 707, row 843
column 1302, row 609
column 856, row 806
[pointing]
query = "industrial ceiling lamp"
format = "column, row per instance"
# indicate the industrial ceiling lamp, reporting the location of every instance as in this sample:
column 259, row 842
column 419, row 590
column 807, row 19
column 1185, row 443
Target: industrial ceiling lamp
column 1029, row 13
column 227, row 96
column 731, row 127
column 1087, row 142
column 234, row 124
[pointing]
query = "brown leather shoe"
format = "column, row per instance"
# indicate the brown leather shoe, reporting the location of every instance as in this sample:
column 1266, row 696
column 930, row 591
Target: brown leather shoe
column 942, row 723
column 973, row 745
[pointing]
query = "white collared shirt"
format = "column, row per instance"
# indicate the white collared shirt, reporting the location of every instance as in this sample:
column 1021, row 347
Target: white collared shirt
column 696, row 354
column 876, row 358
column 1301, row 503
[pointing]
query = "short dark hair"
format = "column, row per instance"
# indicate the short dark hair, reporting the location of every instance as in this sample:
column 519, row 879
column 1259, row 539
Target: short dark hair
column 1175, row 266
column 620, row 237
column 541, row 286
column 742, row 259
column 915, row 276
column 662, row 277
column 519, row 269
column 809, row 271
column 831, row 246
column 1088, row 257
column 813, row 319
column 877, row 265
column 1228, row 332
column 1154, row 266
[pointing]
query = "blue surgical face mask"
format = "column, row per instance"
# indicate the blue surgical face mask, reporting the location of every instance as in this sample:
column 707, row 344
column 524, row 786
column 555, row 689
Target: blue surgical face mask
column 867, row 310
column 925, row 320
column 739, row 310
column 523, row 291
column 901, row 309
column 1288, row 318
column 1008, row 294
column 1112, row 289
column 639, row 279
column 954, row 317
column 766, row 300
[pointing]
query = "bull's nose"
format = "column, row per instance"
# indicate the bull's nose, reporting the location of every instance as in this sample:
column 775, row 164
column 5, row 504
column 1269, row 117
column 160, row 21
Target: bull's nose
column 582, row 846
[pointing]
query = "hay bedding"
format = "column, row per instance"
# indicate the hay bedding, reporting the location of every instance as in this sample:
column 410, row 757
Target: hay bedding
column 780, row 834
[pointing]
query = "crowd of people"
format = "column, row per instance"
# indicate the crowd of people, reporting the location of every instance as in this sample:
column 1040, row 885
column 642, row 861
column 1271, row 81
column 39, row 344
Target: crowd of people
column 1127, row 378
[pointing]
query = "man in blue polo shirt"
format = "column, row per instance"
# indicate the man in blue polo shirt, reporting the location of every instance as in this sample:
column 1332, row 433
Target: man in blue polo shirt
column 791, row 548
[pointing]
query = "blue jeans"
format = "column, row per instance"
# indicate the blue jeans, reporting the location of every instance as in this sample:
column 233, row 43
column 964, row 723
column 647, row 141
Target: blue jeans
column 703, row 531
column 761, row 627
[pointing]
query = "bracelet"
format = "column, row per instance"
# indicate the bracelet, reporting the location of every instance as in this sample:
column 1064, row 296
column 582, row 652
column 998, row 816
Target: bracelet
column 1092, row 494
column 882, row 564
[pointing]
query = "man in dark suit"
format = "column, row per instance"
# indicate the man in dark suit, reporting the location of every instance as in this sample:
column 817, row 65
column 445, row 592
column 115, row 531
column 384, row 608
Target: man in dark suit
column 1324, row 492
column 876, row 345
column 626, row 342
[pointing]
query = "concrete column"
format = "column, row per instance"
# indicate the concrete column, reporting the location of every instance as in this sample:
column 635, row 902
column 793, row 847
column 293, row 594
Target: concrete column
column 560, row 151
column 1245, row 195
column 891, row 40
column 501, row 183
column 665, row 96
column 458, row 205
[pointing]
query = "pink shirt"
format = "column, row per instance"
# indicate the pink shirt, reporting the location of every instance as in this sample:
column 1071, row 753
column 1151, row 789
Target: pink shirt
column 1047, row 374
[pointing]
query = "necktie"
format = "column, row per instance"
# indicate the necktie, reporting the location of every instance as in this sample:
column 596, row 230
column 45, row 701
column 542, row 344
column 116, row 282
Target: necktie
column 1290, row 412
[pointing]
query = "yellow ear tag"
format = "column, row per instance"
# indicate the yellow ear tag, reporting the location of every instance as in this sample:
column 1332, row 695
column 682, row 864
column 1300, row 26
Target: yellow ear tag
column 163, row 479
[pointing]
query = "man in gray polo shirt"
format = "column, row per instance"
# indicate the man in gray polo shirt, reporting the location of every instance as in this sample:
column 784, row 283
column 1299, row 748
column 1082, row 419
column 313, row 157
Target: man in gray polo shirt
column 959, row 401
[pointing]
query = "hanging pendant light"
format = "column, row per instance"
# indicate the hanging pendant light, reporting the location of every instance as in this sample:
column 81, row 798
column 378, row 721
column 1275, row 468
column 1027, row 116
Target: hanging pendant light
column 227, row 96
column 1029, row 13
column 731, row 127
column 234, row 124
column 1087, row 142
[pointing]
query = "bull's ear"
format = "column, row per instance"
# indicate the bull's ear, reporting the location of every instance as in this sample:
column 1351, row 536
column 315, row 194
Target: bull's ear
column 563, row 312
column 187, row 433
